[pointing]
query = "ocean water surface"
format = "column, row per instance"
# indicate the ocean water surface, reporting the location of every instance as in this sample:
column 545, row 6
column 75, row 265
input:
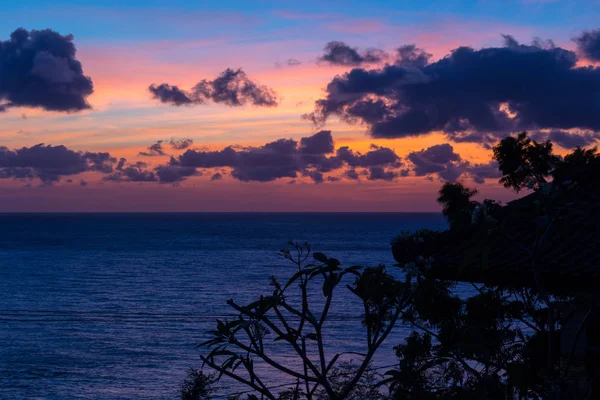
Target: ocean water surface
column 112, row 306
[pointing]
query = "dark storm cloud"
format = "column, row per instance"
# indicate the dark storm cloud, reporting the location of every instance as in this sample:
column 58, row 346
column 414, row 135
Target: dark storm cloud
column 170, row 94
column 378, row 156
column 282, row 146
column 50, row 163
column 320, row 162
column 312, row 157
column 180, row 143
column 471, row 95
column 132, row 173
column 480, row 172
column 39, row 69
column 266, row 163
column 231, row 87
column 155, row 149
column 443, row 162
column 174, row 173
column 433, row 159
column 567, row 140
column 437, row 154
column 411, row 56
column 379, row 173
column 438, row 159
column 286, row 158
column 139, row 172
column 588, row 44
column 319, row 143
column 571, row 140
column 207, row 159
column 339, row 53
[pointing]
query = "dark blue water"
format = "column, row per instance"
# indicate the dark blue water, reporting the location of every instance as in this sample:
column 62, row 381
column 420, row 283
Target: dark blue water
column 111, row 306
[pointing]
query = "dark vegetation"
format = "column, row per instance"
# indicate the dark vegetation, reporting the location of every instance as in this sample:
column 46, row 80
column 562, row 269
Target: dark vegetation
column 527, row 332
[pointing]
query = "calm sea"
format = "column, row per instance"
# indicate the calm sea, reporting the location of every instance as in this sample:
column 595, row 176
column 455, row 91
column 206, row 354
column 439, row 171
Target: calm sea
column 112, row 306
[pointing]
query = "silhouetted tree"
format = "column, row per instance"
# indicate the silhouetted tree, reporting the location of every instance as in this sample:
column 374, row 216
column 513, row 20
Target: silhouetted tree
column 456, row 202
column 524, row 162
column 275, row 324
column 502, row 342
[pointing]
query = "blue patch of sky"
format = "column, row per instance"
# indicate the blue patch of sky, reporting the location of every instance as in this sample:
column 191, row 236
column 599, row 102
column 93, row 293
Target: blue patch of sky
column 163, row 20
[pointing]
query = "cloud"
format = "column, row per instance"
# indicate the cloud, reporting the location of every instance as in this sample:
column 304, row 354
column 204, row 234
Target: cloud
column 180, row 143
column 292, row 62
column 286, row 158
column 471, row 95
column 39, row 69
column 443, row 162
column 157, row 148
column 207, row 159
column 263, row 164
column 132, row 173
column 411, row 56
column 174, row 173
column 231, row 87
column 316, row 176
column 438, row 159
column 154, row 150
column 319, row 143
column 339, row 53
column 567, row 140
column 352, row 174
column 378, row 173
column 480, row 172
column 50, row 163
column 313, row 157
column 138, row 172
column 378, row 156
column 170, row 94
column 588, row 44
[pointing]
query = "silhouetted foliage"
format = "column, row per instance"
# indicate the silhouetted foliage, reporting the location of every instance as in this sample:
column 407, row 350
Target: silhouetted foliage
column 524, row 162
column 197, row 386
column 456, row 202
column 484, row 347
column 501, row 342
column 505, row 342
column 276, row 323
column 581, row 166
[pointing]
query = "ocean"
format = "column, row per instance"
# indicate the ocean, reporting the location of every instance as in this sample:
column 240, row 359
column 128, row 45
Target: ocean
column 112, row 306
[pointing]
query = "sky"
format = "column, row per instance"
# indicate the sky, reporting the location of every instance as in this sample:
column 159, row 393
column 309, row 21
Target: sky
column 188, row 106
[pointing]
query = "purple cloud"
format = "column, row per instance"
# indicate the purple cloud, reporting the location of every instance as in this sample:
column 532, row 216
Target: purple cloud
column 471, row 95
column 231, row 87
column 39, row 69
column 50, row 163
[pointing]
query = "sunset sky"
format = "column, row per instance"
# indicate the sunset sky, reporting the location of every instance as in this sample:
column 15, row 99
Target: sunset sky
column 405, row 120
